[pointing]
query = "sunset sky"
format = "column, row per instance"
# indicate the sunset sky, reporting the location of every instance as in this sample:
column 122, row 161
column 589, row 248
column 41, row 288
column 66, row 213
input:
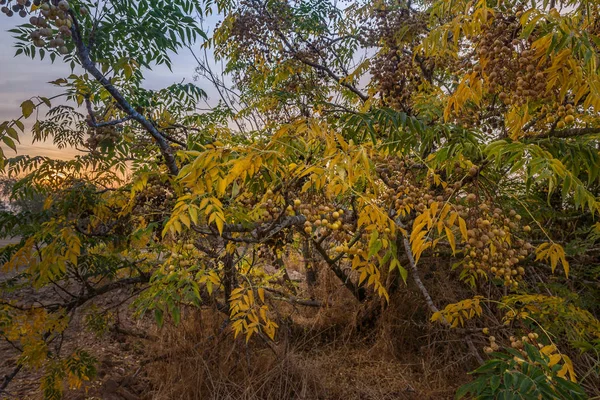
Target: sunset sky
column 22, row 78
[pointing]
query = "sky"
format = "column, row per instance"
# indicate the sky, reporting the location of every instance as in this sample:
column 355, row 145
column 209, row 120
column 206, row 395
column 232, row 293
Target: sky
column 22, row 78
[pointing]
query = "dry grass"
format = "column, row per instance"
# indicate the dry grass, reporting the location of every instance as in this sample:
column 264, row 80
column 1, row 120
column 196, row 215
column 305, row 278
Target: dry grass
column 324, row 356
column 320, row 354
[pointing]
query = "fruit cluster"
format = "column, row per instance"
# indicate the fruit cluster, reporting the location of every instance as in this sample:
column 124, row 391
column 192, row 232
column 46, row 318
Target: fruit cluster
column 395, row 73
column 492, row 347
column 397, row 77
column 562, row 116
column 251, row 28
column 404, row 191
column 329, row 224
column 321, row 218
column 271, row 207
column 107, row 135
column 50, row 18
column 20, row 7
column 531, row 82
column 492, row 246
column 515, row 343
column 507, row 61
column 185, row 257
column 155, row 200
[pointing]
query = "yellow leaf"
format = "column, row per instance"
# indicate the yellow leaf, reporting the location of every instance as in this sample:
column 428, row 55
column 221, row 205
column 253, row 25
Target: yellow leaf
column 363, row 276
column 193, row 214
column 554, row 359
column 451, row 239
column 567, row 368
column 185, row 219
column 463, row 229
column 433, row 208
column 547, row 350
column 263, row 314
column 555, row 253
column 261, row 294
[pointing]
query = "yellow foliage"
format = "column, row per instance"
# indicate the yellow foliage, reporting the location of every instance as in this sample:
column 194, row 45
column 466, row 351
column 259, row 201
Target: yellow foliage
column 457, row 313
column 555, row 253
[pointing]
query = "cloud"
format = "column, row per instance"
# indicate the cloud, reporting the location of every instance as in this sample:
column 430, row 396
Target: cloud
column 47, row 150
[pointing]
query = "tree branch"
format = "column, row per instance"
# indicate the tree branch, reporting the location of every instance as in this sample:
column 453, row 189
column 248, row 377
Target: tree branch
column 568, row 133
column 297, row 54
column 10, row 377
column 415, row 274
column 89, row 65
column 257, row 231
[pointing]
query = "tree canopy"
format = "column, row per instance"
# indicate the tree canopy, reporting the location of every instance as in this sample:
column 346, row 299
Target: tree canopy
column 378, row 141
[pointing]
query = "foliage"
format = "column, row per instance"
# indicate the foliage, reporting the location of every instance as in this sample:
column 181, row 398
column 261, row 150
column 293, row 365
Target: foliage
column 374, row 141
column 529, row 374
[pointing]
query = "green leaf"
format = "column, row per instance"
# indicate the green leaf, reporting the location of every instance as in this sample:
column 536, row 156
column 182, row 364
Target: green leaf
column 494, row 382
column 158, row 316
column 27, row 108
column 9, row 142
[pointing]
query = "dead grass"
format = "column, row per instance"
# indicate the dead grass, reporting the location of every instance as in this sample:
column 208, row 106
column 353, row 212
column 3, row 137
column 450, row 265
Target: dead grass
column 323, row 357
column 320, row 353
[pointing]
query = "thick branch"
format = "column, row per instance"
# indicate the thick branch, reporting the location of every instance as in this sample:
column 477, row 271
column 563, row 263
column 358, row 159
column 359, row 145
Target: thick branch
column 415, row 274
column 10, row 377
column 109, row 123
column 359, row 292
column 90, row 66
column 416, row 278
column 109, row 287
column 568, row 133
column 257, row 232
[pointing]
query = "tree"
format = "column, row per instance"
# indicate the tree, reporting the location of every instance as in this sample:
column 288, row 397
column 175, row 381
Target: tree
column 380, row 137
